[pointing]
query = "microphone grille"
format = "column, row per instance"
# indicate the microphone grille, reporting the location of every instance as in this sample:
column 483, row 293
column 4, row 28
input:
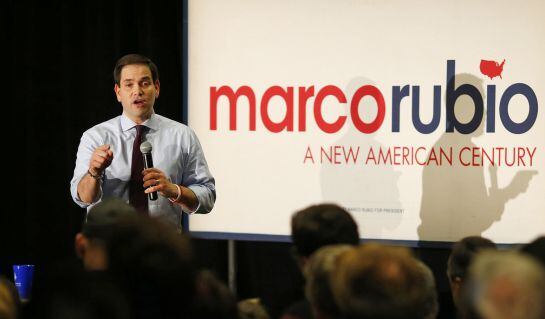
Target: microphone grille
column 145, row 147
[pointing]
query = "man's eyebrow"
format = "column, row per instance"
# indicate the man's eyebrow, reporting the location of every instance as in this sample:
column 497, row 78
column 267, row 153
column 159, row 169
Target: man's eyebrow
column 144, row 78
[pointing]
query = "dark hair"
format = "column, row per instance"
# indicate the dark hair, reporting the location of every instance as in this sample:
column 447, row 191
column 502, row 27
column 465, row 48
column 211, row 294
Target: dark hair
column 213, row 300
column 130, row 59
column 321, row 225
column 153, row 264
column 101, row 218
column 463, row 253
column 536, row 249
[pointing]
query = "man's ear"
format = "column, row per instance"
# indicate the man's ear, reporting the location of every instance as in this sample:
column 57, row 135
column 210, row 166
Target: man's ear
column 455, row 284
column 116, row 90
column 157, row 88
column 80, row 245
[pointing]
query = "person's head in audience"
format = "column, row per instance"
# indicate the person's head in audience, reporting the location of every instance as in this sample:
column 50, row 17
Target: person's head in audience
column 213, row 298
column 536, row 249
column 90, row 243
column 504, row 285
column 431, row 307
column 318, row 288
column 462, row 254
column 320, row 225
column 378, row 281
column 154, row 266
column 252, row 308
column 9, row 300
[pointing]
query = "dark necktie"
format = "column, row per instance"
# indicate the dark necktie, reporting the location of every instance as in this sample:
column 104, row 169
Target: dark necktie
column 137, row 198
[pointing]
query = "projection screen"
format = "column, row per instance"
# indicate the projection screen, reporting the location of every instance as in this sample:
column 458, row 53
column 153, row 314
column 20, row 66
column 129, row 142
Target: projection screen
column 421, row 118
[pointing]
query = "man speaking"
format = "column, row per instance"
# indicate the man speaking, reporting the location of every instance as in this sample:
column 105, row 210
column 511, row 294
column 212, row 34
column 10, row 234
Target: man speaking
column 110, row 163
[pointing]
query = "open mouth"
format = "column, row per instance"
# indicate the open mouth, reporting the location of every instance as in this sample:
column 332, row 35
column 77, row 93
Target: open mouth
column 139, row 102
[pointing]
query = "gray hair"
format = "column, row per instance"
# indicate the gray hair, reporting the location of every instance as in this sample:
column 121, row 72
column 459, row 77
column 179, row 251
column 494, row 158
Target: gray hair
column 506, row 285
column 317, row 273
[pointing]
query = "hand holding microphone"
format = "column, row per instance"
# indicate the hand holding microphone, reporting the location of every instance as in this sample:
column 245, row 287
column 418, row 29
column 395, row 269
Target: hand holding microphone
column 154, row 179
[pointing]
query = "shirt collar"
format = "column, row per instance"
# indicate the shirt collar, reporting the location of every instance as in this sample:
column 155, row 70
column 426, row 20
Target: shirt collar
column 127, row 124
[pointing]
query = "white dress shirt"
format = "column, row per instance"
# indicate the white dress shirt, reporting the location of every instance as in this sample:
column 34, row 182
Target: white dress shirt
column 176, row 151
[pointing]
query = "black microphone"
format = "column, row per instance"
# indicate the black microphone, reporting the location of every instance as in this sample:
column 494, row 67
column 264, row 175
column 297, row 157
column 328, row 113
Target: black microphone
column 145, row 148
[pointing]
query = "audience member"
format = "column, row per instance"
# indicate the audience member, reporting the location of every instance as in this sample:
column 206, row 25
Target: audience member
column 9, row 300
column 431, row 307
column 318, row 288
column 90, row 243
column 378, row 281
column 459, row 261
column 504, row 285
column 314, row 227
column 320, row 225
column 213, row 300
column 153, row 264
